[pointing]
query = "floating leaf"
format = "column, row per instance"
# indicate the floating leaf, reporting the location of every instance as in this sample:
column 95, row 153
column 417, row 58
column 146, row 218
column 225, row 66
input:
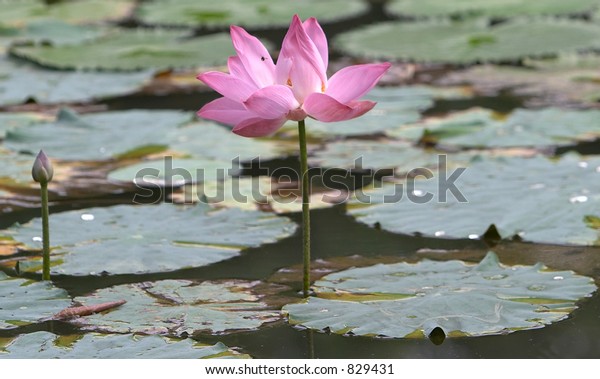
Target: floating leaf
column 523, row 127
column 209, row 140
column 52, row 31
column 26, row 302
column 463, row 42
column 143, row 239
column 244, row 12
column 134, row 50
column 368, row 154
column 556, row 85
column 46, row 345
column 411, row 300
column 22, row 82
column 173, row 172
column 535, row 199
column 493, row 8
column 9, row 121
column 183, row 307
column 20, row 12
column 92, row 137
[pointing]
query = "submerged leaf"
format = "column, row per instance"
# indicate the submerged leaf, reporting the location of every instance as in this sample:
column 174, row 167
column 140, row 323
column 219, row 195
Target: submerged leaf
column 458, row 298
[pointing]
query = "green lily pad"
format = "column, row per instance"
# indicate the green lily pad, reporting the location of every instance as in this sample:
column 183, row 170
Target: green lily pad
column 144, row 239
column 469, row 41
column 173, row 172
column 52, row 31
column 255, row 193
column 491, row 8
column 534, row 199
column 183, row 307
column 244, row 12
column 523, row 127
column 395, row 107
column 209, row 140
column 20, row 12
column 373, row 154
column 133, row 50
column 16, row 168
column 21, row 82
column 9, row 121
column 411, row 300
column 47, row 345
column 561, row 84
column 94, row 136
column 26, row 302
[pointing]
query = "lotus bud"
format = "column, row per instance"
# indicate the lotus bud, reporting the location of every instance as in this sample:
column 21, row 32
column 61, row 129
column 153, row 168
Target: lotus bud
column 42, row 170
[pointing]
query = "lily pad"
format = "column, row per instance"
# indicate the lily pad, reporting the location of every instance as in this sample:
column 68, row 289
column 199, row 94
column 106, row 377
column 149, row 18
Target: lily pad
column 183, row 307
column 94, row 136
column 47, row 345
column 9, row 121
column 534, row 199
column 555, row 85
column 173, row 172
column 133, row 50
column 244, row 12
column 523, row 127
column 255, row 193
column 411, row 300
column 16, row 168
column 373, row 154
column 22, row 82
column 468, row 41
column 144, row 239
column 490, row 8
column 26, row 302
column 209, row 140
column 395, row 107
column 48, row 31
column 21, row 12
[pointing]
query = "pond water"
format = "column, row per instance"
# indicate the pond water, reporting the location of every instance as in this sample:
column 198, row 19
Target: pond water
column 434, row 91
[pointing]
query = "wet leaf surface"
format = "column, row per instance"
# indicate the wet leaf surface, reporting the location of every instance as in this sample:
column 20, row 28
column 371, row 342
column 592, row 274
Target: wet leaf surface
column 411, row 300
column 45, row 345
column 183, row 307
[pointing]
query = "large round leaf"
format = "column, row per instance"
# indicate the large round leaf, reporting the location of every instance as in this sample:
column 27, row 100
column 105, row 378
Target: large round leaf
column 113, row 346
column 26, row 302
column 93, row 136
column 468, row 41
column 411, row 300
column 207, row 139
column 134, row 50
column 523, row 127
column 494, row 8
column 179, row 307
column 19, row 12
column 143, row 239
column 9, row 121
column 244, row 12
column 21, row 82
column 373, row 154
column 534, row 199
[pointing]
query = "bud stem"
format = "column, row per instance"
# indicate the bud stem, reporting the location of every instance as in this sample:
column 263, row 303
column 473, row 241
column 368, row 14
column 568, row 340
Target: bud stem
column 45, row 233
column 305, row 208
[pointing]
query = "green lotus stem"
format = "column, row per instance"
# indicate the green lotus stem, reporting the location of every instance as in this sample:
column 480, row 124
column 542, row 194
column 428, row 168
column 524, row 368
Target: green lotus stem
column 305, row 208
column 42, row 172
column 45, row 233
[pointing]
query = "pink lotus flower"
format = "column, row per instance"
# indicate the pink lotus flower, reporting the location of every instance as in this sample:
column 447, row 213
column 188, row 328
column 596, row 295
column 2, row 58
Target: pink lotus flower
column 259, row 96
